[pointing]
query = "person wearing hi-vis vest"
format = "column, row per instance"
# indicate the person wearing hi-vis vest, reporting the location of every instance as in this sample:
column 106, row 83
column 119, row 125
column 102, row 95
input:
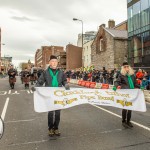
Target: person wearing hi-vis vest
column 53, row 77
column 126, row 80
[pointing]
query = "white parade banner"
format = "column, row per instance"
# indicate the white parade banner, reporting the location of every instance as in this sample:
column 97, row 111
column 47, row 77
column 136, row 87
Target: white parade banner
column 50, row 98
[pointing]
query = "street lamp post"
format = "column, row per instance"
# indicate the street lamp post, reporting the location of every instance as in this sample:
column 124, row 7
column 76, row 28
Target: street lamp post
column 75, row 19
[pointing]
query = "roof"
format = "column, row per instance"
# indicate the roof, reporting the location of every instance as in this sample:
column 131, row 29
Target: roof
column 122, row 34
column 120, row 24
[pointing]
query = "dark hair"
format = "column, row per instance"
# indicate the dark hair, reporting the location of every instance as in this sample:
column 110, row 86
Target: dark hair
column 125, row 63
column 53, row 57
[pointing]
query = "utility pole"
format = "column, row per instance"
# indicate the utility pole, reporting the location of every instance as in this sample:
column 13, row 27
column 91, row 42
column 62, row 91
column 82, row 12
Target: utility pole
column 75, row 19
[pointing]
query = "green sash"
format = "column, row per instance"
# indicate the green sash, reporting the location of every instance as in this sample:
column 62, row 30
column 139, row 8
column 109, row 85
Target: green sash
column 54, row 78
column 130, row 82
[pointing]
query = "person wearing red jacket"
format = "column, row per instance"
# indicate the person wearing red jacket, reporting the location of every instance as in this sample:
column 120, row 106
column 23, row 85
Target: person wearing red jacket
column 139, row 76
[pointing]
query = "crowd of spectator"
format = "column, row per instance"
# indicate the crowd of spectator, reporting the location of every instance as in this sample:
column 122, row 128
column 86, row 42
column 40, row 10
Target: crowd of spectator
column 108, row 76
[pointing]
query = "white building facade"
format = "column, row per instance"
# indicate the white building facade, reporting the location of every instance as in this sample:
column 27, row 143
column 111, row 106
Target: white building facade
column 88, row 36
column 86, row 56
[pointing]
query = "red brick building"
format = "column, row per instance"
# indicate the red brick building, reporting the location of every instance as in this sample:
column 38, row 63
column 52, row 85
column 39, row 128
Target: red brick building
column 73, row 57
column 42, row 55
column 62, row 60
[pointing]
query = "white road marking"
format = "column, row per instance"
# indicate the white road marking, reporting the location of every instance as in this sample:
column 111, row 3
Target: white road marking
column 28, row 91
column 5, row 108
column 138, row 124
column 16, row 92
column 18, row 121
column 3, row 92
column 9, row 92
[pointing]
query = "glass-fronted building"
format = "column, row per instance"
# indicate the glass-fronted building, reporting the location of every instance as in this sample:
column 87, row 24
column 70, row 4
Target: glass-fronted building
column 139, row 33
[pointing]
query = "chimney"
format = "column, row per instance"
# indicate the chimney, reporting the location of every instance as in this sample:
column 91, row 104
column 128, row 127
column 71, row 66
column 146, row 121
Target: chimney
column 111, row 23
column 102, row 25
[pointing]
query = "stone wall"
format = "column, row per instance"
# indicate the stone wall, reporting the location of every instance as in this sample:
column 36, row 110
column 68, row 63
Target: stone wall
column 103, row 58
column 120, row 48
column 113, row 53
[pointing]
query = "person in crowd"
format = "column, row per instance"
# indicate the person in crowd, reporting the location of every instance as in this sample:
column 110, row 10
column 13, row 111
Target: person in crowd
column 139, row 76
column 68, row 74
column 85, row 76
column 148, row 78
column 144, row 83
column 97, row 76
column 53, row 77
column 26, row 78
column 12, row 76
column 73, row 74
column 39, row 71
column 77, row 73
column 94, row 75
column 126, row 80
column 89, row 76
column 109, row 77
column 115, row 75
column 104, row 74
column 33, row 76
column 80, row 75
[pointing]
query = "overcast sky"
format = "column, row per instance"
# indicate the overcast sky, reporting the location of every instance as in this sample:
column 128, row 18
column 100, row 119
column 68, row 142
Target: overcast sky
column 29, row 24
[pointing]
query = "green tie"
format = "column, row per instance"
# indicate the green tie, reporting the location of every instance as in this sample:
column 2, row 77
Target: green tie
column 130, row 82
column 54, row 78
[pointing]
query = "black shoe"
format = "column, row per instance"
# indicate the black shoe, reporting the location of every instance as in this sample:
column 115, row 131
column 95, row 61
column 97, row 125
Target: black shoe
column 129, row 124
column 124, row 124
column 12, row 86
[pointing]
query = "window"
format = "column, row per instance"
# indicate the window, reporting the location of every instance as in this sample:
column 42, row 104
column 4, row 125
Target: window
column 145, row 14
column 130, row 19
column 136, row 16
column 101, row 45
column 144, row 4
column 129, row 1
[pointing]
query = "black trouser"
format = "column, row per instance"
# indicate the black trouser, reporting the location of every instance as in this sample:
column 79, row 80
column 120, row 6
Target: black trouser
column 126, row 115
column 53, row 121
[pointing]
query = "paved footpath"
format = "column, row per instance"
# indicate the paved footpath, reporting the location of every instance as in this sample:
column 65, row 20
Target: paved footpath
column 83, row 127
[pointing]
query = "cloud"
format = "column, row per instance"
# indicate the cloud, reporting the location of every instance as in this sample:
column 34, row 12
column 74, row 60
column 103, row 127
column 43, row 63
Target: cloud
column 21, row 18
column 27, row 25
